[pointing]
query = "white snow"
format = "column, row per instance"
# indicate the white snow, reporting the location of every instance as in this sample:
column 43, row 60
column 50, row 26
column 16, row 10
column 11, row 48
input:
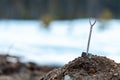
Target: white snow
column 64, row 41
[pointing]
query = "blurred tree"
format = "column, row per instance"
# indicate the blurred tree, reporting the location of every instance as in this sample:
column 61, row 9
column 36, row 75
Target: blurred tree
column 46, row 19
column 59, row 9
column 93, row 8
column 106, row 14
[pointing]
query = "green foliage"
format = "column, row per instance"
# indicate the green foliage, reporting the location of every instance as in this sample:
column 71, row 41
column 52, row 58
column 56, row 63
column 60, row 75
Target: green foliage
column 106, row 14
column 46, row 19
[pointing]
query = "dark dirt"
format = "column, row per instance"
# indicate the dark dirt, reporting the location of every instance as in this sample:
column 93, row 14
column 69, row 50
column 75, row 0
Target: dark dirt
column 12, row 69
column 83, row 68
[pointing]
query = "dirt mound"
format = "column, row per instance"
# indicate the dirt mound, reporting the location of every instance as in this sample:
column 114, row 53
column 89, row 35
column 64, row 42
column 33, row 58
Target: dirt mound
column 84, row 68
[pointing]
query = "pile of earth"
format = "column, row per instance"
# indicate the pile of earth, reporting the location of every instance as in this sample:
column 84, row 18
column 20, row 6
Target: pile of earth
column 12, row 69
column 84, row 68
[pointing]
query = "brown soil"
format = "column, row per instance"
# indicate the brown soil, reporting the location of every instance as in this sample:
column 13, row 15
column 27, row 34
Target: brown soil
column 84, row 68
column 12, row 69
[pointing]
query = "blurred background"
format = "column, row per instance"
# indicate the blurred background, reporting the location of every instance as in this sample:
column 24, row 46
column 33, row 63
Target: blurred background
column 54, row 32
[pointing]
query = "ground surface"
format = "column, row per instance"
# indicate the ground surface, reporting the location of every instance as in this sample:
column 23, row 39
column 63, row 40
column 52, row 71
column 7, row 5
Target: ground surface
column 12, row 69
column 83, row 68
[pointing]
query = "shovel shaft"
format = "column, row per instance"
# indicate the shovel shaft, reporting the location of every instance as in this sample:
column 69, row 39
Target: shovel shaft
column 88, row 45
